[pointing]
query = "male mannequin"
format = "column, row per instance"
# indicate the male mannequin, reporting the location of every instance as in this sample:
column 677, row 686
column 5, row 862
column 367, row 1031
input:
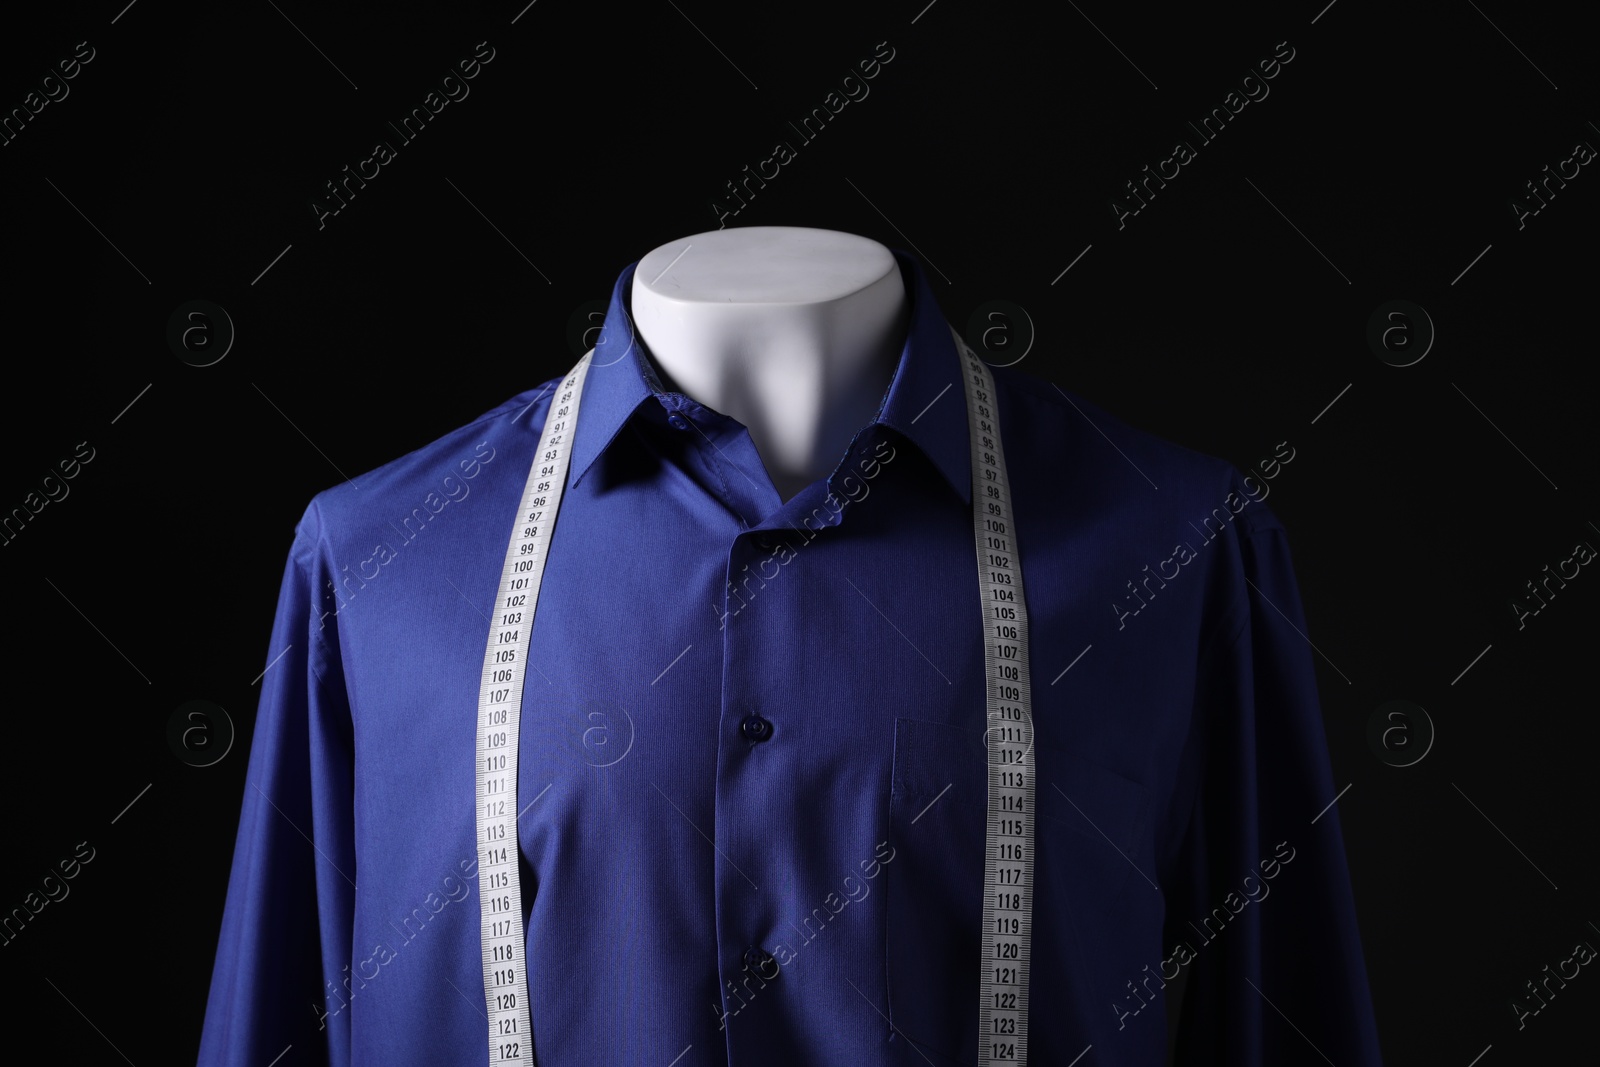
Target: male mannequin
column 813, row 741
column 794, row 332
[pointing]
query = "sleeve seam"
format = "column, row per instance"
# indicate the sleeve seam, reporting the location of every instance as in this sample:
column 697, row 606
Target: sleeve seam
column 312, row 545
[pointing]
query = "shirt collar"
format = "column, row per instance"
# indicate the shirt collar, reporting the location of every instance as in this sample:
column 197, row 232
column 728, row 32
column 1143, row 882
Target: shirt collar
column 925, row 401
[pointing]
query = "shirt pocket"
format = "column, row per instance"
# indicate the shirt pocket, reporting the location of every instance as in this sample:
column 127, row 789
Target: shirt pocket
column 1086, row 836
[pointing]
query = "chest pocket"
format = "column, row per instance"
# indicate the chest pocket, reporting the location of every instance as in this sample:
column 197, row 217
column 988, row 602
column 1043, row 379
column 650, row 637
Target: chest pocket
column 1087, row 830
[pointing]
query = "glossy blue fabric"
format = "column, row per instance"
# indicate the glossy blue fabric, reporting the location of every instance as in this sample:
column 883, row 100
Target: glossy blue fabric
column 752, row 763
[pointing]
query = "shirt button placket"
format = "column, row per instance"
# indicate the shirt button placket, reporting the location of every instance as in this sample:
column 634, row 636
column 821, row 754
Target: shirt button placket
column 744, row 801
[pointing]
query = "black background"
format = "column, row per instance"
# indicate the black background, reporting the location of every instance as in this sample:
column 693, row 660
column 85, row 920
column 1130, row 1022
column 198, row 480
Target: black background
column 1227, row 315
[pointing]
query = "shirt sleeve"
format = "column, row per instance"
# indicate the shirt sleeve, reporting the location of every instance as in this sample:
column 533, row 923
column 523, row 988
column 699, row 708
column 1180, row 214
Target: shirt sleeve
column 1259, row 905
column 286, row 926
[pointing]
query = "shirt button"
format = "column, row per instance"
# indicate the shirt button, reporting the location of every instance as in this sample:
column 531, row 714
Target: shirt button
column 755, row 728
column 677, row 422
column 761, row 961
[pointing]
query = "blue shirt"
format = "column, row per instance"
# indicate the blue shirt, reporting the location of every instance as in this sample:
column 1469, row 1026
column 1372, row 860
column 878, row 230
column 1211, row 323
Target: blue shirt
column 752, row 765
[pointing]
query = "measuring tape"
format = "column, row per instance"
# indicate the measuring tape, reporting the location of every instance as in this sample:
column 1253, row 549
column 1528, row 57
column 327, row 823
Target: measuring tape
column 505, row 972
column 1008, row 839
column 1008, row 867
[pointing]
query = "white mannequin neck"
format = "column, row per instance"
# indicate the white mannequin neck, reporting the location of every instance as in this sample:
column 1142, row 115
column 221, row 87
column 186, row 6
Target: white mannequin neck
column 794, row 332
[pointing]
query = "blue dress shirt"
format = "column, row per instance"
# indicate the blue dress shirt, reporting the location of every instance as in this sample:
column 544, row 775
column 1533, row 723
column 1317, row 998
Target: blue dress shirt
column 752, row 764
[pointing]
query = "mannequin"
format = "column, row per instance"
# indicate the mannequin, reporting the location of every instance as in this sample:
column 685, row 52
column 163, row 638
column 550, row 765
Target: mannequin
column 794, row 332
column 834, row 715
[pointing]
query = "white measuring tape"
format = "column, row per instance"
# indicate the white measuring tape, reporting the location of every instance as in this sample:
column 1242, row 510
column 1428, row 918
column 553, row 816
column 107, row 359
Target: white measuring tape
column 1008, row 867
column 505, row 972
column 1008, row 841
